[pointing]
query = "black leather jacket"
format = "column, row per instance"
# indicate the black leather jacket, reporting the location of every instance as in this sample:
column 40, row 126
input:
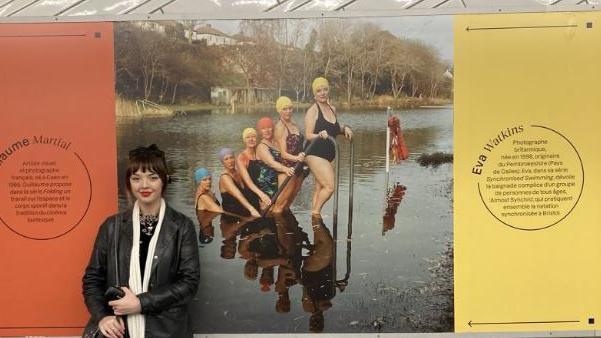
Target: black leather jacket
column 174, row 278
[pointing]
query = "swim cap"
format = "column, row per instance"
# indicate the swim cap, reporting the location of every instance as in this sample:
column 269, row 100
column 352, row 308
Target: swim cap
column 224, row 152
column 201, row 173
column 318, row 83
column 282, row 102
column 248, row 131
column 264, row 122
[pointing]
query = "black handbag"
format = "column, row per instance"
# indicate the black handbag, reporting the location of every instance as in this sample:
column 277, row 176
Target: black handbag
column 113, row 292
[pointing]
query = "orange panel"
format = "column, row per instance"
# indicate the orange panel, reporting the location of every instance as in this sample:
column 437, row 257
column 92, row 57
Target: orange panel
column 58, row 177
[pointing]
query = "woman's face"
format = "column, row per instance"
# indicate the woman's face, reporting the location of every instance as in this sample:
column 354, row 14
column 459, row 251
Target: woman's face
column 267, row 133
column 146, row 186
column 322, row 94
column 286, row 113
column 229, row 162
column 205, row 183
column 250, row 141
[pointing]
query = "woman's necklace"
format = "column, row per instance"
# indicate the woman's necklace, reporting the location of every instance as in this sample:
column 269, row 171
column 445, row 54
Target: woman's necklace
column 148, row 224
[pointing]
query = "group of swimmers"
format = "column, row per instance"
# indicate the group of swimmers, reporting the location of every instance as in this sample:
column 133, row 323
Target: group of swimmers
column 250, row 181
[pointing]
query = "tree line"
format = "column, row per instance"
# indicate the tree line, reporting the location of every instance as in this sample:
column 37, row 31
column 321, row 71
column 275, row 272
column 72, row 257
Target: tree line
column 361, row 60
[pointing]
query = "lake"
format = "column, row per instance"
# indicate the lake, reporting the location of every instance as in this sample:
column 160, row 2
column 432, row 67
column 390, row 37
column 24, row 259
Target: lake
column 400, row 280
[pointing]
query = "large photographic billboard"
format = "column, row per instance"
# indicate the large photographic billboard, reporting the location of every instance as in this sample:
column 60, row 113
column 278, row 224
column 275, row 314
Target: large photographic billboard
column 216, row 78
column 465, row 202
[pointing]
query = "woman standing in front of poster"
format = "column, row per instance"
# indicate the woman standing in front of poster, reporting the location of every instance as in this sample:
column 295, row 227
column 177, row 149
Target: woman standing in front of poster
column 153, row 249
column 321, row 123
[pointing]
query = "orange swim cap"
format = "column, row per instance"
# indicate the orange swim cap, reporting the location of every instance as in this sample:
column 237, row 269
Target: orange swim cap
column 264, row 122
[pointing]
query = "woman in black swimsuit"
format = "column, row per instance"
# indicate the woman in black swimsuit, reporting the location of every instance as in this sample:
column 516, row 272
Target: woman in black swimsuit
column 321, row 122
column 249, row 167
column 290, row 142
column 231, row 187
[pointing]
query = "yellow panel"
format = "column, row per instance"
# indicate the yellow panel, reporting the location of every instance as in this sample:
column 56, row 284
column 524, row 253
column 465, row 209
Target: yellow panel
column 527, row 183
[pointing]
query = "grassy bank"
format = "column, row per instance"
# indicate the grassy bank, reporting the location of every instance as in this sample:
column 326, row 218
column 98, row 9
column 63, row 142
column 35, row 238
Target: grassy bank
column 380, row 102
column 384, row 101
column 125, row 108
column 128, row 108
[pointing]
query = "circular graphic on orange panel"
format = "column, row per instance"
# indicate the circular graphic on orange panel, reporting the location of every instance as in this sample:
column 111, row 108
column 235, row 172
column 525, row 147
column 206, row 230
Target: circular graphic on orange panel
column 47, row 191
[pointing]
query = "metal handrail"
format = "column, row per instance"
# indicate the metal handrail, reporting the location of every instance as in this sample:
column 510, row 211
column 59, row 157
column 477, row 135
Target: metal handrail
column 146, row 102
column 153, row 105
column 342, row 283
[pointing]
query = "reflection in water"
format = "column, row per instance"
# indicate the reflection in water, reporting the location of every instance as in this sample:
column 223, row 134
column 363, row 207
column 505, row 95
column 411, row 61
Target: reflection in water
column 276, row 244
column 205, row 222
column 230, row 226
column 318, row 276
column 394, row 196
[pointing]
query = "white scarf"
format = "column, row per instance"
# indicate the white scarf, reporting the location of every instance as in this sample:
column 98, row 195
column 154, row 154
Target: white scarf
column 136, row 323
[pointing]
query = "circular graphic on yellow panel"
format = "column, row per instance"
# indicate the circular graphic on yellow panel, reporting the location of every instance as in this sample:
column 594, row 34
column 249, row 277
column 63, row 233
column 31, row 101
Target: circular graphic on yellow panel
column 534, row 178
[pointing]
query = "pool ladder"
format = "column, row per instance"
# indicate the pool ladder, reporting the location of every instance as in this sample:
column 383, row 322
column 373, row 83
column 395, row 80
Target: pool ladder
column 342, row 283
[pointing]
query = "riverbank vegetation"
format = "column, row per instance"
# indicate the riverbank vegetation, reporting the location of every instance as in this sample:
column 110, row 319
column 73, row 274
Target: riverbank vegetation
column 366, row 65
column 434, row 160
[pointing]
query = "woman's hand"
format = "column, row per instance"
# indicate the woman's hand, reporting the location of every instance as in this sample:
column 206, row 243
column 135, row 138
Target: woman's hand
column 323, row 134
column 254, row 213
column 289, row 171
column 348, row 132
column 112, row 327
column 300, row 157
column 129, row 304
column 265, row 199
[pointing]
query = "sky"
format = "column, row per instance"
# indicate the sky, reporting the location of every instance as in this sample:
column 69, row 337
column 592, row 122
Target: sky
column 436, row 31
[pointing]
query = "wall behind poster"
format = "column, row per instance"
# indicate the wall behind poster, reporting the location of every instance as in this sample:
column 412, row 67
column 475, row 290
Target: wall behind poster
column 527, row 140
column 57, row 169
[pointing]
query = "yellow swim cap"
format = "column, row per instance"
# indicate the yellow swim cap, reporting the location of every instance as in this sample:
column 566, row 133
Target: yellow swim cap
column 282, row 102
column 248, row 131
column 319, row 83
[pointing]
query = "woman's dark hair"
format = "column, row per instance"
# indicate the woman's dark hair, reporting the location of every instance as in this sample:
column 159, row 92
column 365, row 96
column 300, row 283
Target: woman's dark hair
column 149, row 158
